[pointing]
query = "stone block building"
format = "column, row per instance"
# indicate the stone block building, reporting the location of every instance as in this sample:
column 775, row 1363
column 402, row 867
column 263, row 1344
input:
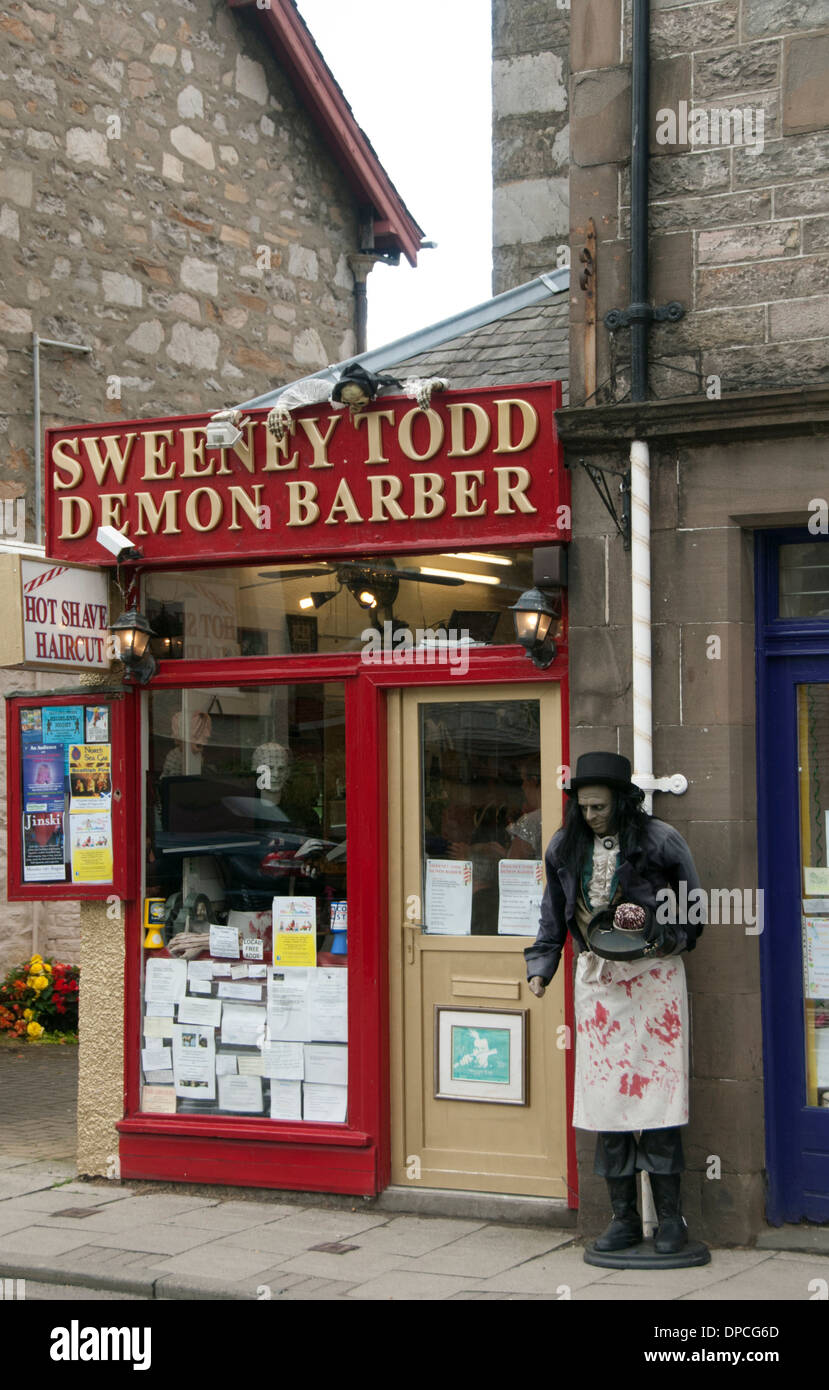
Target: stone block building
column 736, row 425
column 186, row 196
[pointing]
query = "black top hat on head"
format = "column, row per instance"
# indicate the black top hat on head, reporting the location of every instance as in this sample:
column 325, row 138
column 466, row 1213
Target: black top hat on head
column 601, row 770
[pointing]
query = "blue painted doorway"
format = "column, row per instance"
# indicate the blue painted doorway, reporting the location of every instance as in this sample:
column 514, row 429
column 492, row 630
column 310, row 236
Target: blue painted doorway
column 793, row 849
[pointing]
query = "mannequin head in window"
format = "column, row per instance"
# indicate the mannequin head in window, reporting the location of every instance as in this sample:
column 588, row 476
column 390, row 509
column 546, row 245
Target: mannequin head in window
column 272, row 763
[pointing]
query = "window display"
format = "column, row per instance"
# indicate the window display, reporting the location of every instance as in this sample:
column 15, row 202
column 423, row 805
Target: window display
column 813, row 736
column 245, row 997
column 327, row 607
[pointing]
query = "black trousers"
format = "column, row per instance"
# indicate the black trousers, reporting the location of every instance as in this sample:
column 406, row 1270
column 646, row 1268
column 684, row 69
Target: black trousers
column 620, row 1155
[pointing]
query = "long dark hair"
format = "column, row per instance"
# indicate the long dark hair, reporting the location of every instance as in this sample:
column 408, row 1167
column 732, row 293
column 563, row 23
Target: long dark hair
column 629, row 821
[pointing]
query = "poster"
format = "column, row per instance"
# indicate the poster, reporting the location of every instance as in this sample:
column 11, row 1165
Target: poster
column 815, row 958
column 63, row 724
column 815, row 881
column 90, row 776
column 43, row 847
column 328, row 1005
column 90, row 846
column 327, row 1104
column 520, row 890
column 288, row 1005
column 97, row 724
column 194, row 1062
column 286, row 1100
column 449, row 897
column 294, row 931
column 31, row 728
column 43, row 776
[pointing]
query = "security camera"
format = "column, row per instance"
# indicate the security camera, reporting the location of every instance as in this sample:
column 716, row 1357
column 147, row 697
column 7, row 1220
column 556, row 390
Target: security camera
column 117, row 544
column 224, row 429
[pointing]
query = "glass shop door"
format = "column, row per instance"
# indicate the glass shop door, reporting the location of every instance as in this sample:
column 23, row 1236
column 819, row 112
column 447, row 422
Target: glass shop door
column 477, row 1063
column 794, row 857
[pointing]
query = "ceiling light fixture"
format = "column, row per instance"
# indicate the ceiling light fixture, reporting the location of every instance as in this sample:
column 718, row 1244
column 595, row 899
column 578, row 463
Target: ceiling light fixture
column 472, row 555
column 461, row 574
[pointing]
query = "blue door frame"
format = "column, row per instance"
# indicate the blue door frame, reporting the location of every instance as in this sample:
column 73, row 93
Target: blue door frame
column 790, row 652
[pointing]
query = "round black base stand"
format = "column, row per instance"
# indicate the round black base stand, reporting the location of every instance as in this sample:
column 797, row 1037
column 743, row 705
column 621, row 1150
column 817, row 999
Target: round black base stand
column 643, row 1256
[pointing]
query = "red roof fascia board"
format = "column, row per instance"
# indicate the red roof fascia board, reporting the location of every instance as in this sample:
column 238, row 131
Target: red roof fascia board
column 319, row 92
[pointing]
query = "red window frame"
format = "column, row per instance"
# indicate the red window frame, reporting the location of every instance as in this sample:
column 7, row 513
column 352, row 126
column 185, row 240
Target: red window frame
column 354, row 1157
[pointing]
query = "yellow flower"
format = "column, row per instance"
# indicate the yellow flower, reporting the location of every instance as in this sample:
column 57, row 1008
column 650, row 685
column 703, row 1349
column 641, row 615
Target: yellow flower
column 34, row 1030
column 28, row 1013
column 35, row 964
column 47, row 969
column 40, row 982
column 30, row 982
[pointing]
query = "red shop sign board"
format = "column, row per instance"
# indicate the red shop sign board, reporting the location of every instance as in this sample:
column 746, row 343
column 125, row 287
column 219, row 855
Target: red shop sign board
column 481, row 466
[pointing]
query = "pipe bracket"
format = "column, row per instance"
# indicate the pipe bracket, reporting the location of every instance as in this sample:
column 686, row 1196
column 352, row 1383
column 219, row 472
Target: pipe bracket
column 676, row 783
column 643, row 313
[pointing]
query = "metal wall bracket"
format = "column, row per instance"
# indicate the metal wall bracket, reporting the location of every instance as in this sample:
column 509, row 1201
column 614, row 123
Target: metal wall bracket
column 644, row 313
column 597, row 472
column 676, row 783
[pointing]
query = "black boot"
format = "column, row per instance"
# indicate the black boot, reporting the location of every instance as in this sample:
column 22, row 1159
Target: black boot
column 626, row 1227
column 672, row 1232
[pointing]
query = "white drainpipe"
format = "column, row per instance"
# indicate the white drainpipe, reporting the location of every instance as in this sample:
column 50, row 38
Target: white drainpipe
column 640, row 573
column 640, row 578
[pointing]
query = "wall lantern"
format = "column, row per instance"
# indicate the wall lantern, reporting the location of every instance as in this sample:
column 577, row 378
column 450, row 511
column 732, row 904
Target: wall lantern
column 132, row 634
column 534, row 613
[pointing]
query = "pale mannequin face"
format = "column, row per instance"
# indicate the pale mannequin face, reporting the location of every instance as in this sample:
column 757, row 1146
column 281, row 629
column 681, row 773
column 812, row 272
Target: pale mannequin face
column 596, row 804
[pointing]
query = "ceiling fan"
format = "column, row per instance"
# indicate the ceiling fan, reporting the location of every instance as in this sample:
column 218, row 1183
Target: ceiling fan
column 374, row 584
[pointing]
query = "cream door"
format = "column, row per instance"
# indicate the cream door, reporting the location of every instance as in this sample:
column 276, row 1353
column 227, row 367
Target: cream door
column 477, row 1062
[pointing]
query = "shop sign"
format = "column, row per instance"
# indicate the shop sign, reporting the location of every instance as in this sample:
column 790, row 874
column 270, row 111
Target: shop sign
column 477, row 466
column 65, row 616
column 55, row 616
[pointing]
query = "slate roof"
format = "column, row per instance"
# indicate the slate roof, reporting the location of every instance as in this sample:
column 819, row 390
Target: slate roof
column 529, row 345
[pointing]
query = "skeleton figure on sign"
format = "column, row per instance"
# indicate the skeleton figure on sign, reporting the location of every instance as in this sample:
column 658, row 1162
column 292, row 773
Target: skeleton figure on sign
column 351, row 388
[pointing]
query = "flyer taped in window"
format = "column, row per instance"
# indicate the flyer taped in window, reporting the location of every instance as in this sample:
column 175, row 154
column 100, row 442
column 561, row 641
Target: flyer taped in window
column 295, row 931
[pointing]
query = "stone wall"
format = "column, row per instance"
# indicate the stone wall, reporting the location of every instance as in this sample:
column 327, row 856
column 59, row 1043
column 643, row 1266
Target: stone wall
column 739, row 218
column 164, row 200
column 530, row 152
column 100, row 1016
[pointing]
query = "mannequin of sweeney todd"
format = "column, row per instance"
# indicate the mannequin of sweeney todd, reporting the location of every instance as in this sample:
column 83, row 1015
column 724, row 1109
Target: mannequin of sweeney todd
column 607, row 872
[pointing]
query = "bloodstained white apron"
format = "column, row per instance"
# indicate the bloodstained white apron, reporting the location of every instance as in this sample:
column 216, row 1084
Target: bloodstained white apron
column 631, row 1044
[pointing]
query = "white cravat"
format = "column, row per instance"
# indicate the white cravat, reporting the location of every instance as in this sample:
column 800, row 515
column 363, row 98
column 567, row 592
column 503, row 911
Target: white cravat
column 605, row 854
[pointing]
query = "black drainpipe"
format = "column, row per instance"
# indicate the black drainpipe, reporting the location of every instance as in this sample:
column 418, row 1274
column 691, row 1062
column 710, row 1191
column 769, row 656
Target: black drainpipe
column 639, row 310
column 640, row 313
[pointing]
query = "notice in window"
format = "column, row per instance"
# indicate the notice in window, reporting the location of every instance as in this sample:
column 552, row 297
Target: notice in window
column 449, row 897
column 816, row 958
column 520, row 889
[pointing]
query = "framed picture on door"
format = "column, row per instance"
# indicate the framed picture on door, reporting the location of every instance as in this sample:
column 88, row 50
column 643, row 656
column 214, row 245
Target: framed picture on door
column 481, row 1055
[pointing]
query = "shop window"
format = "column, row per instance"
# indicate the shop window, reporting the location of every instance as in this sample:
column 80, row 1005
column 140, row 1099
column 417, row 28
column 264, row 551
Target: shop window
column 813, row 736
column 480, row 778
column 329, row 606
column 804, row 580
column 244, row 953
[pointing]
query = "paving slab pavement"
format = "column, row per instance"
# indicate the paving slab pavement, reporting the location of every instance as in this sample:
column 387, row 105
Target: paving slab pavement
column 103, row 1240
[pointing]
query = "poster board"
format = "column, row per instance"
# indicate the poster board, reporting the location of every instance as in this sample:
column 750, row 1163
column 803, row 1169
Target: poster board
column 68, row 787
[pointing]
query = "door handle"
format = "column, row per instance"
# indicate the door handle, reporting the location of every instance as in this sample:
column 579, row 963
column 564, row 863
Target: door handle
column 410, row 928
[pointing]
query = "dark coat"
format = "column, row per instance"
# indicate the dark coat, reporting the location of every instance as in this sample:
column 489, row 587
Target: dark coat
column 663, row 860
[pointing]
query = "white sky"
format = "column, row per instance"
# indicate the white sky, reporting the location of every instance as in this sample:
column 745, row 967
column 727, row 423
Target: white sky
column 417, row 76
